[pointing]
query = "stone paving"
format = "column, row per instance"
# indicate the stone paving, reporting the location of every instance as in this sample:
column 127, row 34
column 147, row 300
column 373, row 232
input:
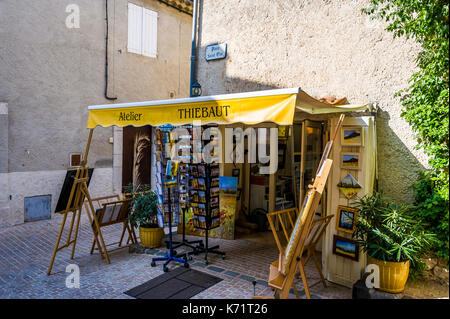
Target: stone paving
column 25, row 252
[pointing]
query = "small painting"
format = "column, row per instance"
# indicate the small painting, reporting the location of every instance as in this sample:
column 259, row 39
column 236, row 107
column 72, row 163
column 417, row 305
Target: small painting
column 349, row 186
column 346, row 219
column 350, row 160
column 345, row 247
column 228, row 185
column 352, row 136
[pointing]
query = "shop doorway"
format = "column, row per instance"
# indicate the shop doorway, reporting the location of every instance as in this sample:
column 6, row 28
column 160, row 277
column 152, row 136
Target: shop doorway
column 300, row 147
column 136, row 156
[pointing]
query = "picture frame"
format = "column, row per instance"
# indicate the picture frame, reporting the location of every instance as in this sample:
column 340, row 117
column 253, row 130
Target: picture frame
column 346, row 219
column 352, row 136
column 350, row 160
column 345, row 247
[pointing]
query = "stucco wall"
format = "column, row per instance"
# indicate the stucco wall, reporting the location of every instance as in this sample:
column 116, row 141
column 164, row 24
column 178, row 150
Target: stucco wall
column 326, row 48
column 50, row 74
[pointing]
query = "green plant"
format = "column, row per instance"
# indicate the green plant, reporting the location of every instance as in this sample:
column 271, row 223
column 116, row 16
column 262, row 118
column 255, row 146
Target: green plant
column 431, row 209
column 389, row 232
column 144, row 206
column 425, row 101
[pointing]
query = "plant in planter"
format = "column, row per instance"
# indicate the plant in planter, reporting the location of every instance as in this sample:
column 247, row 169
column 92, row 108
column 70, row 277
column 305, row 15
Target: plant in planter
column 392, row 238
column 144, row 214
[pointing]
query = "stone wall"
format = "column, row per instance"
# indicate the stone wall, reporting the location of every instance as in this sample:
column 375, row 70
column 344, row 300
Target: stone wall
column 51, row 73
column 326, row 48
column 436, row 269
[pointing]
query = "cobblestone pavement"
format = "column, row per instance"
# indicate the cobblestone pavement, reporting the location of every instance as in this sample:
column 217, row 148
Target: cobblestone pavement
column 25, row 252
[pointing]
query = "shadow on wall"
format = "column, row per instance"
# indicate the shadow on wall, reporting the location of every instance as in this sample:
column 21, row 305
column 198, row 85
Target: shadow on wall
column 398, row 167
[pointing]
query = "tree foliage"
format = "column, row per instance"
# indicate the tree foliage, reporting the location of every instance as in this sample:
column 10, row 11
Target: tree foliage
column 425, row 101
column 431, row 210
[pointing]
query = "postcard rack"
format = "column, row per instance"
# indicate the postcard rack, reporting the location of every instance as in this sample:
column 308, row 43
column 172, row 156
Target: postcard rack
column 204, row 200
column 163, row 146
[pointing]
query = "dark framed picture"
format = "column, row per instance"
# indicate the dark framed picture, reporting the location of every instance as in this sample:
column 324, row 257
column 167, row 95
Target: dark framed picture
column 346, row 219
column 350, row 160
column 352, row 136
column 345, row 247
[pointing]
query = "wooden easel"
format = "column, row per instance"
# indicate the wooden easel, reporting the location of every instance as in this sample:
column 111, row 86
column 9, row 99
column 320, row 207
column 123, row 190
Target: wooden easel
column 78, row 194
column 111, row 212
column 317, row 230
column 290, row 259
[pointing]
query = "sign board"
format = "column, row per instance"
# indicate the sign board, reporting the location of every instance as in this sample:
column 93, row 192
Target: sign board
column 216, row 51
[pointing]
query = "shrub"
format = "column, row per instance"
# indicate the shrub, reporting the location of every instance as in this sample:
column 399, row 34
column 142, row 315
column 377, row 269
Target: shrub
column 389, row 232
column 431, row 209
column 144, row 206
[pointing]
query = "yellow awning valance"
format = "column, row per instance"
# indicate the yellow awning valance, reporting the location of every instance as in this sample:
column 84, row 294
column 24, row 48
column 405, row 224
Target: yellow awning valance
column 277, row 106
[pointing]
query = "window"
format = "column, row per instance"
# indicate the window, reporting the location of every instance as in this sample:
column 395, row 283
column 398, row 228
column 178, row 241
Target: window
column 142, row 31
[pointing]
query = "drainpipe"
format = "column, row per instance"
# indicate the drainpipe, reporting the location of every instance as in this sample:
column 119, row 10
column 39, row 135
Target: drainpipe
column 194, row 41
column 106, row 55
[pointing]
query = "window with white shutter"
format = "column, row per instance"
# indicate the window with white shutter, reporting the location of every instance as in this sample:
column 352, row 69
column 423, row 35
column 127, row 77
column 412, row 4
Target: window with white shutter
column 142, row 31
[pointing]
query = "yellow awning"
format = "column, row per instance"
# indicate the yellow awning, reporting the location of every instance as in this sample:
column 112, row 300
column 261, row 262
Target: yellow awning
column 277, row 106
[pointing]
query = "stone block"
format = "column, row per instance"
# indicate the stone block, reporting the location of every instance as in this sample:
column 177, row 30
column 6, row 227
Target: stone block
column 360, row 291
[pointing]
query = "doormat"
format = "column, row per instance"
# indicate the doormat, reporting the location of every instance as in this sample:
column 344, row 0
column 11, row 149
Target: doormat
column 179, row 283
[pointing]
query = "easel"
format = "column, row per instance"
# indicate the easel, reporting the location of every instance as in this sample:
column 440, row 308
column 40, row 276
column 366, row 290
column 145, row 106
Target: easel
column 110, row 213
column 317, row 230
column 290, row 259
column 78, row 194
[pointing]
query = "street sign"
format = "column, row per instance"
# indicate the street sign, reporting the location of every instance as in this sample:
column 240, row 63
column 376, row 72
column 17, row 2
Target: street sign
column 216, row 51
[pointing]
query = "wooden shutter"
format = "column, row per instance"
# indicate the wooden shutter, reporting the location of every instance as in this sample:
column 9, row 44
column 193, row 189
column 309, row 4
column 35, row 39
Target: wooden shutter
column 134, row 28
column 150, row 33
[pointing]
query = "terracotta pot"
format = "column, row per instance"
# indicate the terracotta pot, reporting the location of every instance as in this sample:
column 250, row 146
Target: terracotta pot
column 151, row 237
column 393, row 275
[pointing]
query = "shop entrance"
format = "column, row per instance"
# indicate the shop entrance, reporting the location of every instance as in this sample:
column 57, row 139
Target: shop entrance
column 136, row 156
column 300, row 147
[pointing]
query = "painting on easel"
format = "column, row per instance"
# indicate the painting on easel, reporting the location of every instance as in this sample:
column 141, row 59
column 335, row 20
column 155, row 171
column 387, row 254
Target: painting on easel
column 67, row 187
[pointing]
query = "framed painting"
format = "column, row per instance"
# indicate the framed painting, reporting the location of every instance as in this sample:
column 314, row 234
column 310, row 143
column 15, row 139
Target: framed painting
column 345, row 247
column 352, row 136
column 346, row 219
column 350, row 160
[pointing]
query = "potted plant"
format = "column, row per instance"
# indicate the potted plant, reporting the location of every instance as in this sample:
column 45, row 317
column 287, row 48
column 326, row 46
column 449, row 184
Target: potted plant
column 144, row 214
column 393, row 239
